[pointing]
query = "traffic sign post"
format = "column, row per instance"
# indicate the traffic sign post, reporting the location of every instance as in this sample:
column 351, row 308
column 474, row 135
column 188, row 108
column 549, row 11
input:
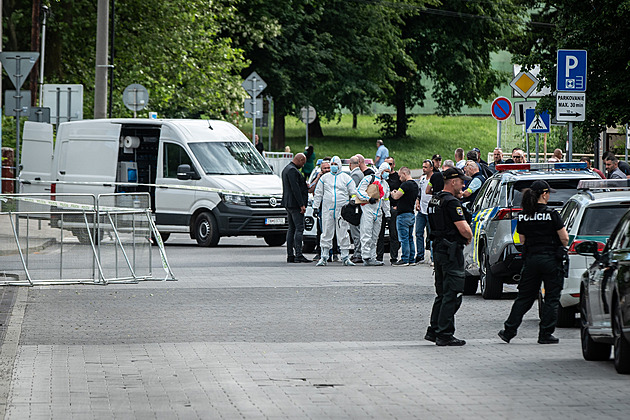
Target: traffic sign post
column 307, row 115
column 571, row 78
column 571, row 71
column 537, row 123
column 524, row 83
column 135, row 97
column 570, row 107
column 254, row 85
column 501, row 110
column 18, row 65
column 519, row 110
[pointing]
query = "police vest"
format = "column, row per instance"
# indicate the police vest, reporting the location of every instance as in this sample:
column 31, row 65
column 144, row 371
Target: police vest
column 540, row 229
column 472, row 196
column 442, row 226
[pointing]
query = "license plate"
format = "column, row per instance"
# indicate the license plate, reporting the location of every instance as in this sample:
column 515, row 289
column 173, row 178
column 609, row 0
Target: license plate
column 275, row 221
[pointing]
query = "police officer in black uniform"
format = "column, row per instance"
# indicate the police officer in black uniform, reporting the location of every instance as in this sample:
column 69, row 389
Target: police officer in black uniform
column 450, row 232
column 544, row 237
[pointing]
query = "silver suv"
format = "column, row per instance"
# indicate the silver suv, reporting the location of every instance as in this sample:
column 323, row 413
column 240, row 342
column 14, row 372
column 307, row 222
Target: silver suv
column 494, row 255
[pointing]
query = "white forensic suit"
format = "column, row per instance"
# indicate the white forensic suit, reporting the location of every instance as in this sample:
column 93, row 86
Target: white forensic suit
column 371, row 219
column 333, row 191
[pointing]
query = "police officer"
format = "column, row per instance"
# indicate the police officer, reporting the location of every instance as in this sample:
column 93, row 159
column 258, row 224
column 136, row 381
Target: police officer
column 450, row 232
column 544, row 237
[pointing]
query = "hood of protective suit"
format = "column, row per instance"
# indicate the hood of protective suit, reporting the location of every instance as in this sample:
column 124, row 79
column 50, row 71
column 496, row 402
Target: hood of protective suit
column 337, row 160
column 383, row 167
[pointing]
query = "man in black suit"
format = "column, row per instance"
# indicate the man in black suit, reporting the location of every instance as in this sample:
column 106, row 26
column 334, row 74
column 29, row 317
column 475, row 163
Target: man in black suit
column 294, row 200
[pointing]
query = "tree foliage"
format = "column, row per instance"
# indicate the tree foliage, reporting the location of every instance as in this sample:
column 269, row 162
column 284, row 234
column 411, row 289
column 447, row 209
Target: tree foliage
column 602, row 27
column 172, row 48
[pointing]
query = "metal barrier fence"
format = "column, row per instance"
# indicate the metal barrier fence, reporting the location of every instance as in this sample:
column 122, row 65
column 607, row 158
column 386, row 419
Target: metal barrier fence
column 78, row 238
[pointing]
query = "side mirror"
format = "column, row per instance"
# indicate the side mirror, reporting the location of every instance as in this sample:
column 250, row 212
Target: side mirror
column 588, row 249
column 184, row 172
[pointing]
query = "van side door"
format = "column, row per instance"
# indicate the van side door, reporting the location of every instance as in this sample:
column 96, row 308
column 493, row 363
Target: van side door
column 37, row 156
column 173, row 205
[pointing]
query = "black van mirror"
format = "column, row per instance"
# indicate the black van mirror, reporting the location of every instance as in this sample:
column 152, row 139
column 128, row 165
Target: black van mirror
column 588, row 249
column 184, row 172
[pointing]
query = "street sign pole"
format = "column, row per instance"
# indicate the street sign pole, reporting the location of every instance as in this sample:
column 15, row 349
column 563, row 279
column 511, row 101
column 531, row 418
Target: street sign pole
column 498, row 133
column 627, row 139
column 270, row 99
column 254, row 95
column 527, row 143
column 18, row 101
column 307, row 119
column 537, row 148
column 570, row 151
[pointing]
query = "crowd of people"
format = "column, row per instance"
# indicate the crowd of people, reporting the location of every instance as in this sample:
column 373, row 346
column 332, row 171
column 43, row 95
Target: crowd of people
column 431, row 208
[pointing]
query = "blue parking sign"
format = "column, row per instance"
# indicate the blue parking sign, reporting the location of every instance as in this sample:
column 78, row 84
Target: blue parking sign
column 571, row 71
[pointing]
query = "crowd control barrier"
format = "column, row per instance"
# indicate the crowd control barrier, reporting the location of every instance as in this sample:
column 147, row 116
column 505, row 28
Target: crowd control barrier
column 78, row 239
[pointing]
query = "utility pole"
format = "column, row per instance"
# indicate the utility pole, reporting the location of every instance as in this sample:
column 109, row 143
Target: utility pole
column 100, row 79
column 35, row 28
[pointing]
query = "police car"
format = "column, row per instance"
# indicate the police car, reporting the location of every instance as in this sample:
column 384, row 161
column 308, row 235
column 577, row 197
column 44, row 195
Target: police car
column 590, row 215
column 605, row 297
column 494, row 255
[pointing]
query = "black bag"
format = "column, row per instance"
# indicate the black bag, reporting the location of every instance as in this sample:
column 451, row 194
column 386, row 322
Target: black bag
column 351, row 213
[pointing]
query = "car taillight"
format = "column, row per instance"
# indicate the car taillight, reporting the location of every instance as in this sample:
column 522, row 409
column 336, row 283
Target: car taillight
column 571, row 250
column 53, row 190
column 506, row 214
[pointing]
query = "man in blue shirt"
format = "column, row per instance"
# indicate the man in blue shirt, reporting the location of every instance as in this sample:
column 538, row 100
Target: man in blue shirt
column 381, row 153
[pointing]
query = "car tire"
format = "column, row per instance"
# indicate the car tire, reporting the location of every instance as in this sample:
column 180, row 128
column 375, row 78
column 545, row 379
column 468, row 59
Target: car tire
column 277, row 239
column 83, row 235
column 621, row 344
column 491, row 286
column 206, row 230
column 163, row 236
column 471, row 284
column 591, row 350
column 566, row 317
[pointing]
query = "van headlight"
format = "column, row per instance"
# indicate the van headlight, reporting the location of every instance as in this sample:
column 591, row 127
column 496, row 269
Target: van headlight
column 240, row 200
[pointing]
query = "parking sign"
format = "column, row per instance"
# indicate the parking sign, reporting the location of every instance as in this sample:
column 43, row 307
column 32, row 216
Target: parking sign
column 571, row 71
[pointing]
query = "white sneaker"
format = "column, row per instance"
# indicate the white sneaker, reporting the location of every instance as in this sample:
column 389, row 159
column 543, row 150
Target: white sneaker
column 346, row 261
column 321, row 262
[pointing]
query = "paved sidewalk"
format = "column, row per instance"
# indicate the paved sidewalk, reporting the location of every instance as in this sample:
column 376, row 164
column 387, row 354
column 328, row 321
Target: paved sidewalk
column 242, row 334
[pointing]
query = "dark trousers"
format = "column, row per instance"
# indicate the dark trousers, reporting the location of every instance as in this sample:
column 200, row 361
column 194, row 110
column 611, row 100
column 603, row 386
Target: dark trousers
column 295, row 232
column 449, row 288
column 394, row 244
column 537, row 268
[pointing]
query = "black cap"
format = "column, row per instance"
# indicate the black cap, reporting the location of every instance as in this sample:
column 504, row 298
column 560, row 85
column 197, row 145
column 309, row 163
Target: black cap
column 541, row 186
column 452, row 173
column 436, row 157
column 476, row 149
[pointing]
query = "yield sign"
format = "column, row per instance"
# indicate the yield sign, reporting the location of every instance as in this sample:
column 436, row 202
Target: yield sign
column 254, row 84
column 537, row 123
column 18, row 65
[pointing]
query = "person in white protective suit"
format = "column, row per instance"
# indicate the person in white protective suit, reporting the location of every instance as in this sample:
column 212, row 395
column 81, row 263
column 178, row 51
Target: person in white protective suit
column 333, row 191
column 373, row 210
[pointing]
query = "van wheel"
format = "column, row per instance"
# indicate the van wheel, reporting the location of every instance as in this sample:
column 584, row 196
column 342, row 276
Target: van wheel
column 164, row 237
column 83, row 235
column 206, row 230
column 491, row 286
column 275, row 240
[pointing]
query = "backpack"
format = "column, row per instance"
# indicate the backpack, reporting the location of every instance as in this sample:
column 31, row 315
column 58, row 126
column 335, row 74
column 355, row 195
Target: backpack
column 351, row 213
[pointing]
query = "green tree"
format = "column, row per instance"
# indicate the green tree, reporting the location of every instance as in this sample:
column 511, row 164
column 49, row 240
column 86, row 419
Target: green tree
column 172, row 48
column 602, row 27
column 450, row 46
column 328, row 54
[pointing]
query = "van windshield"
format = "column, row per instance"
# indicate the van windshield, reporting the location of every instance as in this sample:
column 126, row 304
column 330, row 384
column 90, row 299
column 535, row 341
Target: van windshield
column 229, row 158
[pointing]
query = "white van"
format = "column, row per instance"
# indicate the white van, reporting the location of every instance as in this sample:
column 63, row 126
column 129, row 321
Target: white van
column 156, row 154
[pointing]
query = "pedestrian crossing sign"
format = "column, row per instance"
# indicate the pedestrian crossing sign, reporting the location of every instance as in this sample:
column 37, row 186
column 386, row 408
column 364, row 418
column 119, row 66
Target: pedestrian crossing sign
column 537, row 123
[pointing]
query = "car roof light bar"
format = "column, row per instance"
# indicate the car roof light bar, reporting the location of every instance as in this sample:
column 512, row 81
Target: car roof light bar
column 541, row 166
column 604, row 184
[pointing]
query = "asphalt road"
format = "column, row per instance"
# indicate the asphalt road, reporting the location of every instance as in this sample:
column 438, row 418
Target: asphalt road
column 242, row 334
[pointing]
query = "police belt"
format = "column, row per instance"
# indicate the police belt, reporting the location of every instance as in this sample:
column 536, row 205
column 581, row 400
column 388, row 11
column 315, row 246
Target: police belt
column 452, row 248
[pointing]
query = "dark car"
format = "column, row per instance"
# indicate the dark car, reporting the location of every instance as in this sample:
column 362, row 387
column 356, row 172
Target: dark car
column 605, row 298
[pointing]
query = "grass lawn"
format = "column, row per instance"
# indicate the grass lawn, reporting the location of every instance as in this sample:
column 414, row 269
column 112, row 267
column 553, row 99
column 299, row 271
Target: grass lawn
column 428, row 135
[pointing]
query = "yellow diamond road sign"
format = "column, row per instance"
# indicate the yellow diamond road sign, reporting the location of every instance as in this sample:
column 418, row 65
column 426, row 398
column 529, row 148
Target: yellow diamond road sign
column 524, row 83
